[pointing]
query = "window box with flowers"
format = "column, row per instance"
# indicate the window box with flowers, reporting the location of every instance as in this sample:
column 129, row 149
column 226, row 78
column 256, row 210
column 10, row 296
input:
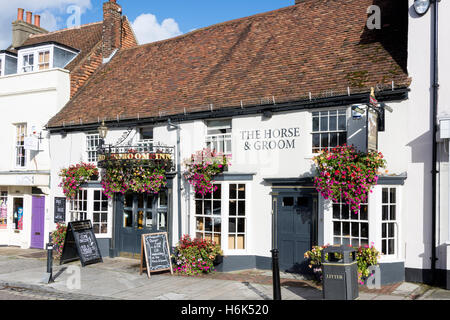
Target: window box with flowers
column 201, row 168
column 76, row 175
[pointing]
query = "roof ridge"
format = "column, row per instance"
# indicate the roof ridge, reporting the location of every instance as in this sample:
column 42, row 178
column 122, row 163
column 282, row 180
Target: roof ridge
column 63, row 30
column 209, row 27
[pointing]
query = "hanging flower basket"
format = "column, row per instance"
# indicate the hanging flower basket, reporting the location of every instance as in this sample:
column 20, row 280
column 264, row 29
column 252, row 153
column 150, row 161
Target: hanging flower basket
column 347, row 175
column 74, row 176
column 201, row 168
column 138, row 179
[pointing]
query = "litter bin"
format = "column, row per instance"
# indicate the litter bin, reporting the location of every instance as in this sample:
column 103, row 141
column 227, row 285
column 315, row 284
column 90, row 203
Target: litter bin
column 340, row 273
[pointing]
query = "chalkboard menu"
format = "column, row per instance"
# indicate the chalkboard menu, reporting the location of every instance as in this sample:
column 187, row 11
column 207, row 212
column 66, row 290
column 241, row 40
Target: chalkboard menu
column 60, row 210
column 155, row 251
column 81, row 243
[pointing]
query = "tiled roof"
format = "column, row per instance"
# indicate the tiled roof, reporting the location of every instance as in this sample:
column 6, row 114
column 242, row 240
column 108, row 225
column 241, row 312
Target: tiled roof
column 83, row 38
column 318, row 47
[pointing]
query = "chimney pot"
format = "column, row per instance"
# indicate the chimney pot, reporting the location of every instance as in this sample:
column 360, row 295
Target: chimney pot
column 37, row 20
column 29, row 17
column 20, row 14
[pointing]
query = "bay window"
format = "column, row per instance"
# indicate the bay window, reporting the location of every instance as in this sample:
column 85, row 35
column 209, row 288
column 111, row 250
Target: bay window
column 377, row 223
column 222, row 216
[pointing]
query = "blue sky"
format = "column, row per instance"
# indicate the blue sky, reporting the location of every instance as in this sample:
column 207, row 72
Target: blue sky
column 190, row 14
column 152, row 20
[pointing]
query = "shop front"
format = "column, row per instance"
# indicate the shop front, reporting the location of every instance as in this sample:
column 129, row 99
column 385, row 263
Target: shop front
column 144, row 203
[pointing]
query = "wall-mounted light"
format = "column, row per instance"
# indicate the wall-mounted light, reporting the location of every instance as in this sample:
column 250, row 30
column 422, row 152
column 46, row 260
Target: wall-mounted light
column 421, row 6
column 103, row 130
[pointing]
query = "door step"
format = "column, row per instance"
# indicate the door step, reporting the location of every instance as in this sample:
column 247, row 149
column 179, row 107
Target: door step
column 130, row 255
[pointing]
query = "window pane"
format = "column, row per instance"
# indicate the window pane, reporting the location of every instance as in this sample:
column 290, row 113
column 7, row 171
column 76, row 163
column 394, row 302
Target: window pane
column 336, row 228
column 336, row 211
column 392, row 195
column 315, row 124
column 316, row 140
column 333, row 123
column 217, row 225
column 384, row 213
column 345, row 228
column 241, row 225
column 200, row 224
column 233, row 207
column 232, row 225
column 392, row 215
column 208, row 224
column 345, row 212
column 208, row 209
column 385, row 195
column 323, row 123
column 231, row 242
column 241, row 208
column 383, row 230
column 364, row 230
column 391, row 245
column 355, row 229
column 128, row 218
column 198, row 207
column 233, row 191
column 342, row 138
column 217, row 209
column 391, row 230
column 241, row 191
column 324, row 140
column 218, row 192
column 333, row 139
column 363, row 212
column 288, row 202
column 342, row 123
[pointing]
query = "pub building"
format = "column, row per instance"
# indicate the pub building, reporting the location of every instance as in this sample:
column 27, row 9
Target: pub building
column 271, row 91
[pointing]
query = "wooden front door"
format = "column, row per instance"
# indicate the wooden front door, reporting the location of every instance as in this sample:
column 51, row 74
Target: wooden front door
column 37, row 222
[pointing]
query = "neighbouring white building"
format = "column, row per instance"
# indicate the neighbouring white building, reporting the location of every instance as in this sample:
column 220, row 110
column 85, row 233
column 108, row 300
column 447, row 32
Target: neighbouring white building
column 38, row 75
column 272, row 90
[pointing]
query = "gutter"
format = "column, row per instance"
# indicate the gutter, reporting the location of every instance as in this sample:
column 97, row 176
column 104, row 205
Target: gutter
column 434, row 133
column 307, row 104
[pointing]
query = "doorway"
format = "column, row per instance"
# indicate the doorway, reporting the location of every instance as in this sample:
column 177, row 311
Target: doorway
column 37, row 222
column 139, row 214
column 296, row 228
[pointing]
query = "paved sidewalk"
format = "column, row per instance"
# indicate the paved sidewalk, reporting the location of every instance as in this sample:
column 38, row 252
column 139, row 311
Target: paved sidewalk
column 119, row 278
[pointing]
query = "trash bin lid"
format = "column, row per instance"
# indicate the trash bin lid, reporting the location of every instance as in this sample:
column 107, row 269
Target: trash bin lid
column 339, row 249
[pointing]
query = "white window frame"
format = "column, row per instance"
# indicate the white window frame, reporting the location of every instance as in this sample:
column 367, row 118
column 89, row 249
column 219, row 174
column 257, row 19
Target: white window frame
column 328, row 131
column 375, row 222
column 91, row 148
column 225, row 191
column 17, row 146
column 35, row 52
column 219, row 139
column 389, row 204
column 38, row 64
column 90, row 211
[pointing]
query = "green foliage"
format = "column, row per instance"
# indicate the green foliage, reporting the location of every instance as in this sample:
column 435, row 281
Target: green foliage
column 347, row 175
column 74, row 176
column 365, row 256
column 58, row 237
column 195, row 256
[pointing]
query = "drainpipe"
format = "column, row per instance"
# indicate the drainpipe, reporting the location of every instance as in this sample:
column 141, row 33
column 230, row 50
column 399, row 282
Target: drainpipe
column 434, row 132
column 177, row 127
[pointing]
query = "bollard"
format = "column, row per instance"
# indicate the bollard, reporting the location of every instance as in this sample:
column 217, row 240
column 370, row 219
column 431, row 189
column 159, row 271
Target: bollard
column 48, row 277
column 276, row 275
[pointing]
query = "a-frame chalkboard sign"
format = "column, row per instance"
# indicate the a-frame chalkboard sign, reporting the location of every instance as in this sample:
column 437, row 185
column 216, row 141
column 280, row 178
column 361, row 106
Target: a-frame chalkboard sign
column 155, row 253
column 81, row 243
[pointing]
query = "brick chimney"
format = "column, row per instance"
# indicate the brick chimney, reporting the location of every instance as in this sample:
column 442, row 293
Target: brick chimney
column 22, row 30
column 112, row 28
column 37, row 20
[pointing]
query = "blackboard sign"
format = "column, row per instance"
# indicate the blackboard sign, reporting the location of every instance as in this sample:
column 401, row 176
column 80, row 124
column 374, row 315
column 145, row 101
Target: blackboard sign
column 81, row 243
column 155, row 251
column 60, row 210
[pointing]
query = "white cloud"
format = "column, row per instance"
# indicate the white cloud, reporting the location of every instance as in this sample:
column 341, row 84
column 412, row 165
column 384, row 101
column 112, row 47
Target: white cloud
column 147, row 28
column 53, row 14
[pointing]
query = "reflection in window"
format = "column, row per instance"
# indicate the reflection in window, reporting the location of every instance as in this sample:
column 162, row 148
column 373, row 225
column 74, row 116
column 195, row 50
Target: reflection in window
column 208, row 210
column 350, row 228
